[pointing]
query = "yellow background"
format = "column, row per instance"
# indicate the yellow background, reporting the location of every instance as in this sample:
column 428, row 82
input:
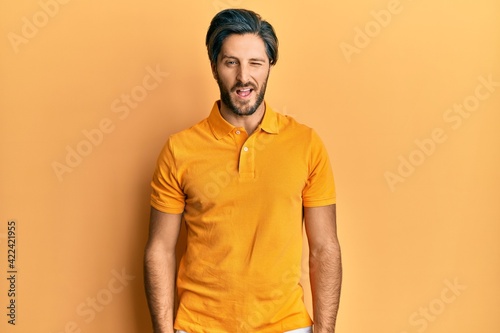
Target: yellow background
column 403, row 242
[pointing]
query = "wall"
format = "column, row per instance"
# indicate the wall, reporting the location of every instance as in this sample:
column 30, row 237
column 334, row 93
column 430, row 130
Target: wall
column 405, row 94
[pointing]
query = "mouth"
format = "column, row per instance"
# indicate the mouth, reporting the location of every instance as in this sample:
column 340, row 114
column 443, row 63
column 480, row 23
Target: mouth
column 244, row 92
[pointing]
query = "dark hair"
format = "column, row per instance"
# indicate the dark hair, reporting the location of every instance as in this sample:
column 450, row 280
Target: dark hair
column 240, row 21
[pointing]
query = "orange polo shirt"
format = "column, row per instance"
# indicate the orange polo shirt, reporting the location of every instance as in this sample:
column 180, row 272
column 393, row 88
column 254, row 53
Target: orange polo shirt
column 242, row 199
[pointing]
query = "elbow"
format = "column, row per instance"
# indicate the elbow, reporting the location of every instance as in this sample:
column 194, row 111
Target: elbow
column 327, row 251
column 157, row 252
column 325, row 260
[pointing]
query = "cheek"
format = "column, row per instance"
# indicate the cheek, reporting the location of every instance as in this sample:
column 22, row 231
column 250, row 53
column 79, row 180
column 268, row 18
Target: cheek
column 225, row 78
column 262, row 78
column 262, row 73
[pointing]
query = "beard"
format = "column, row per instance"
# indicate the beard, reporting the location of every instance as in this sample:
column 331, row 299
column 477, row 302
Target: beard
column 246, row 108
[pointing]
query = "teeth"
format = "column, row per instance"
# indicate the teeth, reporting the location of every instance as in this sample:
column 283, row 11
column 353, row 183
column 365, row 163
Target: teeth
column 244, row 92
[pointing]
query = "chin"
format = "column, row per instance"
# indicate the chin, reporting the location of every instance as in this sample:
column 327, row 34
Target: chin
column 247, row 110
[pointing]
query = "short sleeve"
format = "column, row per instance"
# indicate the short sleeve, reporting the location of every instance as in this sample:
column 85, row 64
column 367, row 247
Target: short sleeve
column 320, row 186
column 167, row 195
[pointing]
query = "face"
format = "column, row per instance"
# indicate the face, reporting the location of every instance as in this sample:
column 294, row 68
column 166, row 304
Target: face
column 241, row 72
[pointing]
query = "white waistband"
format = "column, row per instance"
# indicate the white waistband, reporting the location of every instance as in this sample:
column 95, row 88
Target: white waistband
column 299, row 330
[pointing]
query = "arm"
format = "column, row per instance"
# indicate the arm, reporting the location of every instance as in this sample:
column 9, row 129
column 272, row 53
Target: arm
column 325, row 268
column 159, row 269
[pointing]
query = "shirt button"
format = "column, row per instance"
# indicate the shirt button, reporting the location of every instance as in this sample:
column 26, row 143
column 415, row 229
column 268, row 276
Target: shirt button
column 238, row 132
column 245, row 148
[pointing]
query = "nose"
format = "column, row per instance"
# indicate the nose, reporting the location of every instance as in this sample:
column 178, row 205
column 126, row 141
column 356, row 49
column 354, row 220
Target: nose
column 243, row 73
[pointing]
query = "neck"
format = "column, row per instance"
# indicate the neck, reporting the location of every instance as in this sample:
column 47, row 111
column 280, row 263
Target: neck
column 249, row 123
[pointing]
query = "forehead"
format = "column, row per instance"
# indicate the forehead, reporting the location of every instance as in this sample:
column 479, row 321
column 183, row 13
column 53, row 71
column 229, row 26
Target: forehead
column 243, row 47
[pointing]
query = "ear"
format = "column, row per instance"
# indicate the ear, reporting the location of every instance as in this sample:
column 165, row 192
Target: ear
column 214, row 70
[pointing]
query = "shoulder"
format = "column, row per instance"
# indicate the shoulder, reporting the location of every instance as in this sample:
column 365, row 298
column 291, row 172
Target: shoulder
column 185, row 141
column 191, row 136
column 290, row 127
column 191, row 132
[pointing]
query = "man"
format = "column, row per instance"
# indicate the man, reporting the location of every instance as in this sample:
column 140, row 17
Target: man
column 245, row 180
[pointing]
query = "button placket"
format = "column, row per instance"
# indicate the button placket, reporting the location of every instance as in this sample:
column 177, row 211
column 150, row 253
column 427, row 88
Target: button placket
column 247, row 159
column 239, row 136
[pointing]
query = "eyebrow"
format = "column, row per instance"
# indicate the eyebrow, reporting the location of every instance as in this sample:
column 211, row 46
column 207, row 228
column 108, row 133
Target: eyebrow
column 225, row 56
column 257, row 59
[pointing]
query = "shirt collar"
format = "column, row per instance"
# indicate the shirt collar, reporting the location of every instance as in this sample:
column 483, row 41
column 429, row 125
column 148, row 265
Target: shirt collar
column 221, row 127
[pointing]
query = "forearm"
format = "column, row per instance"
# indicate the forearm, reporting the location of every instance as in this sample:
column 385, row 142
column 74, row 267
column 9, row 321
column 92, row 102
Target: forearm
column 325, row 271
column 159, row 279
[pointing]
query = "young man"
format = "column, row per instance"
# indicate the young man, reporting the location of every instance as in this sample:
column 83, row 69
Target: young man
column 245, row 180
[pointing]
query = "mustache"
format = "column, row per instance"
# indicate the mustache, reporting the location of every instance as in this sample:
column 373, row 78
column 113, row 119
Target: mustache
column 240, row 85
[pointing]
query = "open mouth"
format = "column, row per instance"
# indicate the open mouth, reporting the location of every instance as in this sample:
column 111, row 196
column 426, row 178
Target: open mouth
column 244, row 92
